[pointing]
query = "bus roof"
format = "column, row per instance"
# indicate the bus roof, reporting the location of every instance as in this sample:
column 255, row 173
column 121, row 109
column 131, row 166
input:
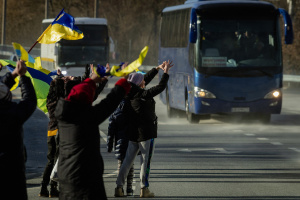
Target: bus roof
column 83, row 20
column 199, row 3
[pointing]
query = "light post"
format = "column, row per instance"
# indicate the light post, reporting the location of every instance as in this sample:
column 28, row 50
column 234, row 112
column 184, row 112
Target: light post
column 3, row 22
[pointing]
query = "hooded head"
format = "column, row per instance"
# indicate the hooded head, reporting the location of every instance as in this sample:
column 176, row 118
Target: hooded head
column 5, row 94
column 136, row 78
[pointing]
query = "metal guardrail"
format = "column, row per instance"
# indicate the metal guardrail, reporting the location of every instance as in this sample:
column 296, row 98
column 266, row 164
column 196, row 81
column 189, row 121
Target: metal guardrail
column 291, row 78
column 6, row 51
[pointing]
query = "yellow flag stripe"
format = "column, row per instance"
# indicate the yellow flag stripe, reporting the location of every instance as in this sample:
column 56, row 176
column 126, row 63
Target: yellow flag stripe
column 132, row 66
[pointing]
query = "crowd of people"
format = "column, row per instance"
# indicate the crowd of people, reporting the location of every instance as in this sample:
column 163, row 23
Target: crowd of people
column 73, row 131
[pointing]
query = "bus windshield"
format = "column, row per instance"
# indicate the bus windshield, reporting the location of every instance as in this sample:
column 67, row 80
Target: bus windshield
column 93, row 48
column 81, row 55
column 238, row 43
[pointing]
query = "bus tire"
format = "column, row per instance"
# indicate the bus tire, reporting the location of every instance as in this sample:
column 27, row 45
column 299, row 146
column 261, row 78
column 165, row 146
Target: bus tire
column 171, row 112
column 191, row 117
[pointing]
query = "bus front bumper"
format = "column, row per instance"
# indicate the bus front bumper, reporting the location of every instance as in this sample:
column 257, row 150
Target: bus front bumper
column 214, row 106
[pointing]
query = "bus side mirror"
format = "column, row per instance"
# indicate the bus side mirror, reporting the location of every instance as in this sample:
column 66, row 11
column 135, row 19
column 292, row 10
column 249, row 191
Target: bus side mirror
column 288, row 26
column 193, row 26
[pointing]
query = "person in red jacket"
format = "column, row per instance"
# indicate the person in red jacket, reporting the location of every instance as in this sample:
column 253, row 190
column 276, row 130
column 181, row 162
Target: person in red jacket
column 80, row 165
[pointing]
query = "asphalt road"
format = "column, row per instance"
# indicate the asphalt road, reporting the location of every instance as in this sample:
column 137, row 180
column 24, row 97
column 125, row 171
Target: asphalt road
column 215, row 159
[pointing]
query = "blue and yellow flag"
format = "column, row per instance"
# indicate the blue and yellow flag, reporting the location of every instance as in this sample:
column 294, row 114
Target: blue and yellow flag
column 29, row 60
column 131, row 67
column 40, row 82
column 63, row 27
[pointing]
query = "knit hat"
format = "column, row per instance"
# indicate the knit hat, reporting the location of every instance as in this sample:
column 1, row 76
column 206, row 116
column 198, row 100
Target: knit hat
column 5, row 94
column 83, row 92
column 101, row 71
column 136, row 78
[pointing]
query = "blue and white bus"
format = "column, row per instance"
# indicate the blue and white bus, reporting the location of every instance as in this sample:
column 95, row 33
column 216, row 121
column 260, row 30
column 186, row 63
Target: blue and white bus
column 227, row 56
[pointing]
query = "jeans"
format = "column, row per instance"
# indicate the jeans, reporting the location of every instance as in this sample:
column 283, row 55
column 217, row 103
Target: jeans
column 147, row 149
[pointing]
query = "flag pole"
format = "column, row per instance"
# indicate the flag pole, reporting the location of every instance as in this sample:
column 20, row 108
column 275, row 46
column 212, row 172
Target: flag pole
column 32, row 46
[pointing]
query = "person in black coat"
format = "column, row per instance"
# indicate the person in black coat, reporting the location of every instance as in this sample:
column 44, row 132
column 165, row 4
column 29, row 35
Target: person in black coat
column 80, row 165
column 60, row 87
column 56, row 91
column 143, row 127
column 12, row 117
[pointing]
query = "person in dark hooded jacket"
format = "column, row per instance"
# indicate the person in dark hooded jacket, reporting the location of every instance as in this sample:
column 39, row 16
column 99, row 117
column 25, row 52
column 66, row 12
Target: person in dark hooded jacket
column 12, row 117
column 143, row 129
column 59, row 87
column 80, row 165
column 55, row 92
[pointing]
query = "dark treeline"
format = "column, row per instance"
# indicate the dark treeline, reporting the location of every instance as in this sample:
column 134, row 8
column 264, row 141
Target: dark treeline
column 133, row 24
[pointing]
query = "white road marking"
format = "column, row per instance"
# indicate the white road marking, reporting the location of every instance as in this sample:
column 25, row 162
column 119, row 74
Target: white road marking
column 111, row 174
column 103, row 135
column 295, row 149
column 219, row 150
column 262, row 138
column 276, row 143
column 250, row 134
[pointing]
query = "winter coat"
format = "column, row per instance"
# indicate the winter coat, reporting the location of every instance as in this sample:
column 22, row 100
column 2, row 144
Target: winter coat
column 80, row 166
column 118, row 128
column 143, row 104
column 60, row 89
column 55, row 92
column 12, row 117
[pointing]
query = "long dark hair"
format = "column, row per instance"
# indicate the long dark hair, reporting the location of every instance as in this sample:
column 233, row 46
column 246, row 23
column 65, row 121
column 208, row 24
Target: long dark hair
column 56, row 90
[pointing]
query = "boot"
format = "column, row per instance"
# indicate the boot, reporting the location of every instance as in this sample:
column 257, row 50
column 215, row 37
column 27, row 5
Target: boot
column 129, row 191
column 44, row 191
column 119, row 192
column 145, row 193
column 54, row 193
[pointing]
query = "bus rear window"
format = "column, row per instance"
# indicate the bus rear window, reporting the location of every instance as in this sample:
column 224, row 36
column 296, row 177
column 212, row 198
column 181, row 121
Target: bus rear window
column 97, row 34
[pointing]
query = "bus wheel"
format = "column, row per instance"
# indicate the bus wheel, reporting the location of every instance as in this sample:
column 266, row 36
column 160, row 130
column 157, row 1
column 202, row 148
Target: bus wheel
column 171, row 112
column 191, row 117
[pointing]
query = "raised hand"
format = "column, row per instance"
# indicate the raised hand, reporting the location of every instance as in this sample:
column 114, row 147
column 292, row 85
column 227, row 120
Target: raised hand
column 167, row 66
column 21, row 68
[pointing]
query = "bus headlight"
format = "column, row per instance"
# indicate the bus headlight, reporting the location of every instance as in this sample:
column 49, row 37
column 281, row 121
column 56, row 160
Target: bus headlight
column 273, row 95
column 198, row 92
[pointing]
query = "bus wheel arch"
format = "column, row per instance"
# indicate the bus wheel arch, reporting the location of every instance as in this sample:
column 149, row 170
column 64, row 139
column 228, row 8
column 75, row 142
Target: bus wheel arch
column 191, row 117
column 171, row 112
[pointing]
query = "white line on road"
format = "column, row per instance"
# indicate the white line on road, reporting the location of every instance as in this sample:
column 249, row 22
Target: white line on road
column 262, row 138
column 276, row 143
column 295, row 149
column 103, row 135
column 111, row 174
column 217, row 150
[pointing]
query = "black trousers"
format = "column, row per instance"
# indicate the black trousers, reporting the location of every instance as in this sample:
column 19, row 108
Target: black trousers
column 52, row 156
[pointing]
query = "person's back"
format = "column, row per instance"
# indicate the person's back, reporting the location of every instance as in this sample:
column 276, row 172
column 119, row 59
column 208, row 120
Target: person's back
column 12, row 117
column 80, row 165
